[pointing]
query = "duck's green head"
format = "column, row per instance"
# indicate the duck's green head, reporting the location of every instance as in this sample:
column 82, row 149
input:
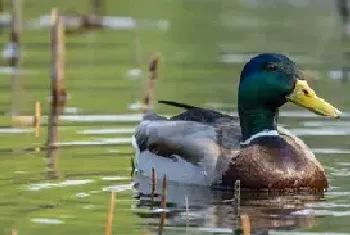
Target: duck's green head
column 267, row 82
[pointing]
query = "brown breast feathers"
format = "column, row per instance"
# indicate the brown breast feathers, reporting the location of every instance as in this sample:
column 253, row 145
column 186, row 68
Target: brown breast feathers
column 276, row 162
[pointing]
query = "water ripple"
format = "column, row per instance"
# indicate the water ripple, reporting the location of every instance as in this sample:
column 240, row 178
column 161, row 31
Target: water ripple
column 321, row 212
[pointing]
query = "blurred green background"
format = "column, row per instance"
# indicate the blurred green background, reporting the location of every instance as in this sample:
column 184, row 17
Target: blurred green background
column 203, row 46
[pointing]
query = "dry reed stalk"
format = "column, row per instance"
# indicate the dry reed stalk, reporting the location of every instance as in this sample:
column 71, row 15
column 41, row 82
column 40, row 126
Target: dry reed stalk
column 151, row 83
column 163, row 205
column 109, row 224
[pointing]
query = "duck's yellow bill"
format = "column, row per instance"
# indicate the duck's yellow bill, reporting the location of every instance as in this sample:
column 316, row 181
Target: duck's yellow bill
column 305, row 97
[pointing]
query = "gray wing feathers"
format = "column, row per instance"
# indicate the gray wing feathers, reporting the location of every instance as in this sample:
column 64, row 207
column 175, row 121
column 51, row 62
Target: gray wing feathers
column 194, row 141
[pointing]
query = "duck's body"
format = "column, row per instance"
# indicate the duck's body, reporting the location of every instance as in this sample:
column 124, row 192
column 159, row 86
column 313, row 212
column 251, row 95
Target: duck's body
column 202, row 146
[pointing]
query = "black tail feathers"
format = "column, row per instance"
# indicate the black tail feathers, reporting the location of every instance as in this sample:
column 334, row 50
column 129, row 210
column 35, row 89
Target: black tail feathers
column 177, row 104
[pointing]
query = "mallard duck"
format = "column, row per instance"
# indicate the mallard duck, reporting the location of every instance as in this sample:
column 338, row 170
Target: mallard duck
column 202, row 146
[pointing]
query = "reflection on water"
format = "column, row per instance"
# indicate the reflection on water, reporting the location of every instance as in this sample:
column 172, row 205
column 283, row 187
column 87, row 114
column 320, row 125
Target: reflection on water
column 321, row 212
column 330, row 150
column 104, row 141
column 323, row 131
column 39, row 186
column 328, row 123
column 212, row 211
column 107, row 131
column 46, row 221
column 118, row 187
column 135, row 118
column 15, row 130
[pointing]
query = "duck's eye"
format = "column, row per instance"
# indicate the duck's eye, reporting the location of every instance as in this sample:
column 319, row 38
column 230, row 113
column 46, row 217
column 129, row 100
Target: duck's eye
column 305, row 92
column 271, row 67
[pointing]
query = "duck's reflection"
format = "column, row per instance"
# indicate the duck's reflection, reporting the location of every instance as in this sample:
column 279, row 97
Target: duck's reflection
column 214, row 209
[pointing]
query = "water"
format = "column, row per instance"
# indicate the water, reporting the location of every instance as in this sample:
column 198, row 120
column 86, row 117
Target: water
column 96, row 161
column 91, row 176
